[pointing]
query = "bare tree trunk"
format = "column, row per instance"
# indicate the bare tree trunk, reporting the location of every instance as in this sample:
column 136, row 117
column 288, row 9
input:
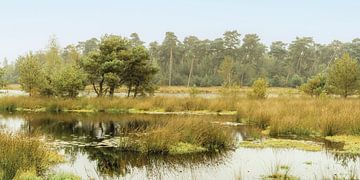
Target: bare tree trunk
column 111, row 91
column 136, row 91
column 242, row 80
column 170, row 65
column 129, row 90
column 229, row 79
column 101, row 90
column 190, row 73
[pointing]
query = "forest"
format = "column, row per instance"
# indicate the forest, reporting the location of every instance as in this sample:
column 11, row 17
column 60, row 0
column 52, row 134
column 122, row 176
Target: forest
column 232, row 59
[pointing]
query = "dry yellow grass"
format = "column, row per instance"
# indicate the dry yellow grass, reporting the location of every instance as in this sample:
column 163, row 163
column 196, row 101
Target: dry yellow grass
column 283, row 116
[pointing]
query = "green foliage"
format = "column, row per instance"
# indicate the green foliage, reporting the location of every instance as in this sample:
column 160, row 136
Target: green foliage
column 48, row 74
column 106, row 62
column 227, row 60
column 2, row 79
column 296, row 81
column 343, row 76
column 227, row 71
column 315, row 86
column 68, row 81
column 138, row 73
column 117, row 62
column 259, row 89
column 31, row 74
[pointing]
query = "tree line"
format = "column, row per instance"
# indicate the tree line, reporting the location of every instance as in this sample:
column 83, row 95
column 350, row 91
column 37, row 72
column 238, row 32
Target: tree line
column 232, row 59
column 106, row 64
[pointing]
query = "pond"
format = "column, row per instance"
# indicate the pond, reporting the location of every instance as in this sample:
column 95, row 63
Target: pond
column 84, row 140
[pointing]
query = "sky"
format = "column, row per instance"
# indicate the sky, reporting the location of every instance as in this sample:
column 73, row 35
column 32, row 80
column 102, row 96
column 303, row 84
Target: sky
column 27, row 25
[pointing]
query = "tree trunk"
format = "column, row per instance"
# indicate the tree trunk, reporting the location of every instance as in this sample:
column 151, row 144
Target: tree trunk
column 111, row 91
column 136, row 91
column 96, row 91
column 101, row 88
column 190, row 73
column 129, row 90
column 229, row 79
column 170, row 66
column 242, row 80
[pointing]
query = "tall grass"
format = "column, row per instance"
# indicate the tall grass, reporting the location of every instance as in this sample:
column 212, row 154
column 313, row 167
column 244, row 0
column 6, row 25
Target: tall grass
column 303, row 116
column 162, row 136
column 283, row 116
column 21, row 154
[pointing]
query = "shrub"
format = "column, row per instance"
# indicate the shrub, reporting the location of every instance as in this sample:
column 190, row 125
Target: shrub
column 343, row 76
column 193, row 92
column 259, row 89
column 315, row 86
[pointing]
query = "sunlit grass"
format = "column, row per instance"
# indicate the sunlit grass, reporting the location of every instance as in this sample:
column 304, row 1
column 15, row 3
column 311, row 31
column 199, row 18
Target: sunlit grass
column 281, row 116
column 19, row 154
column 176, row 136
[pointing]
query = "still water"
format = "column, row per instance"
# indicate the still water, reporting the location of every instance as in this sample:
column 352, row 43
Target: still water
column 83, row 139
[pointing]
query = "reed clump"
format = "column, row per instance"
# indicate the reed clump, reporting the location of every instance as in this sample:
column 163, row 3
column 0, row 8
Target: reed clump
column 174, row 136
column 19, row 153
column 303, row 116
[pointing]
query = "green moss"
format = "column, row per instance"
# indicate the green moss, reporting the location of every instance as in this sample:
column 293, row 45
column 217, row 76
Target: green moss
column 64, row 176
column 282, row 143
column 81, row 111
column 185, row 148
column 114, row 110
column 351, row 143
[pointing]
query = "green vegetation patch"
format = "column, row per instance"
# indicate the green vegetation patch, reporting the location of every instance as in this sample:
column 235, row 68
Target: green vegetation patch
column 282, row 143
column 64, row 176
column 185, row 148
column 351, row 143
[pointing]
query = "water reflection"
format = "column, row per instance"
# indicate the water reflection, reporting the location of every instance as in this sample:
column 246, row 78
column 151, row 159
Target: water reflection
column 78, row 136
column 111, row 162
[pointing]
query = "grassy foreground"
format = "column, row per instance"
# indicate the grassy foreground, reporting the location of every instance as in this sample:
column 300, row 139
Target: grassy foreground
column 22, row 157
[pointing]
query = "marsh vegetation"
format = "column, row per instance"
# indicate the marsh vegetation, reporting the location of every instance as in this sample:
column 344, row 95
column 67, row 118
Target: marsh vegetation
column 97, row 105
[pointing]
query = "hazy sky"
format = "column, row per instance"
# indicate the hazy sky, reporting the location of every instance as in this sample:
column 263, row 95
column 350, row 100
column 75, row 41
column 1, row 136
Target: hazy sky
column 27, row 24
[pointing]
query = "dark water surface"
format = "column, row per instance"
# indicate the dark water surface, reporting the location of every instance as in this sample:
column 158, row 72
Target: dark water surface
column 84, row 140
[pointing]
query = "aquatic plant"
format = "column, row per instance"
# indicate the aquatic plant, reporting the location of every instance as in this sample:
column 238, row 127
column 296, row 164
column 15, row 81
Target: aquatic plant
column 351, row 144
column 282, row 143
column 280, row 172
